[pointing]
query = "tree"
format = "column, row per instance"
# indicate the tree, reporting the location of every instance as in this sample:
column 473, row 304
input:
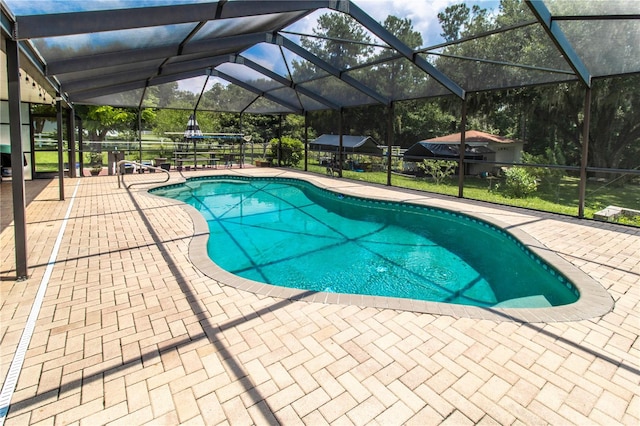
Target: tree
column 394, row 79
column 261, row 128
column 556, row 119
column 397, row 78
column 100, row 120
column 171, row 123
column 225, row 98
column 293, row 126
column 400, row 79
column 458, row 20
column 614, row 134
column 40, row 113
column 343, row 43
column 339, row 40
column 551, row 117
column 417, row 120
column 291, row 150
column 452, row 21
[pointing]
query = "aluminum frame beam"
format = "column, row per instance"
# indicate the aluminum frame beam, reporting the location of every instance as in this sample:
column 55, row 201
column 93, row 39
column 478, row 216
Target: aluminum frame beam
column 218, row 47
column 555, row 33
column 150, row 76
column 109, row 80
column 305, row 54
column 62, row 24
column 139, row 84
column 285, row 82
column 293, row 108
column 150, row 73
column 372, row 25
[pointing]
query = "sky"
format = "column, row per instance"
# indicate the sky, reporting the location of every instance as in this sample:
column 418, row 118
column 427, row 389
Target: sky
column 422, row 13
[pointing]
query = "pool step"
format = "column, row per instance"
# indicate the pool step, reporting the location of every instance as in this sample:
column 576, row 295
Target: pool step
column 537, row 301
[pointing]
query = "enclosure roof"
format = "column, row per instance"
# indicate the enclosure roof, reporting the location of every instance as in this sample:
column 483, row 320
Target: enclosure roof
column 263, row 57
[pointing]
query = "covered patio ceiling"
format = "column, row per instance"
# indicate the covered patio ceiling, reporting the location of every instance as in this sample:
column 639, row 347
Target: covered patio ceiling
column 127, row 56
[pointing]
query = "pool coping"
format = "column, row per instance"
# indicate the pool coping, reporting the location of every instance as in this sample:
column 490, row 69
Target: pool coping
column 594, row 300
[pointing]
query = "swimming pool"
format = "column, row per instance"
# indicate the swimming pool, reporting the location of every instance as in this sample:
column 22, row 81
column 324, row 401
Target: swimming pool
column 290, row 233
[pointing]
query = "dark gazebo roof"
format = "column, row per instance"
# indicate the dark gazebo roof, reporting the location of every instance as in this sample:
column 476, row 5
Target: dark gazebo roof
column 357, row 144
column 425, row 150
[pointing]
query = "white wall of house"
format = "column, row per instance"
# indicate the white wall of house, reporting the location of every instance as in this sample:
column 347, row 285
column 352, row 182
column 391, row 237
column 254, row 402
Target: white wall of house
column 507, row 153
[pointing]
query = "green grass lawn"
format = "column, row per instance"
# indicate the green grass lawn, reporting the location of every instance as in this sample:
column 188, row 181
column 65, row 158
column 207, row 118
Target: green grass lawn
column 47, row 161
column 561, row 198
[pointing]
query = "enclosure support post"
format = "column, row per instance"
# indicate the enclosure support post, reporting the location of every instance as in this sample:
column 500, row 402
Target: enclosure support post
column 390, row 113
column 17, row 159
column 242, row 141
column 71, row 137
column 306, row 140
column 340, row 142
column 60, row 147
column 80, row 146
column 140, row 170
column 463, row 131
column 279, row 138
column 585, row 152
column 192, row 137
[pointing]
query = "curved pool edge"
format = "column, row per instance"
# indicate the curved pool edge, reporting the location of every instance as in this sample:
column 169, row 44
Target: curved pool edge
column 594, row 300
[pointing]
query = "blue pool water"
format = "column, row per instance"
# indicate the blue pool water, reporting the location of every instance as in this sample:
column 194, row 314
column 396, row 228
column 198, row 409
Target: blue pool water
column 290, row 233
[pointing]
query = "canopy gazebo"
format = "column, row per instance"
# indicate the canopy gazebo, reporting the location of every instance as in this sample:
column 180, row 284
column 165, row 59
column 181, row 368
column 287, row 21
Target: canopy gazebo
column 350, row 144
column 424, row 150
column 479, row 146
column 340, row 146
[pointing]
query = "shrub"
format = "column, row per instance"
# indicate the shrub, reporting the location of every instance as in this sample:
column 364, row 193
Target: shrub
column 439, row 170
column 291, row 150
column 519, row 183
column 548, row 177
column 95, row 159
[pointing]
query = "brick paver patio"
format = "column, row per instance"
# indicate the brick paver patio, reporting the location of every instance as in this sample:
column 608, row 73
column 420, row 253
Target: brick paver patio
column 131, row 332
